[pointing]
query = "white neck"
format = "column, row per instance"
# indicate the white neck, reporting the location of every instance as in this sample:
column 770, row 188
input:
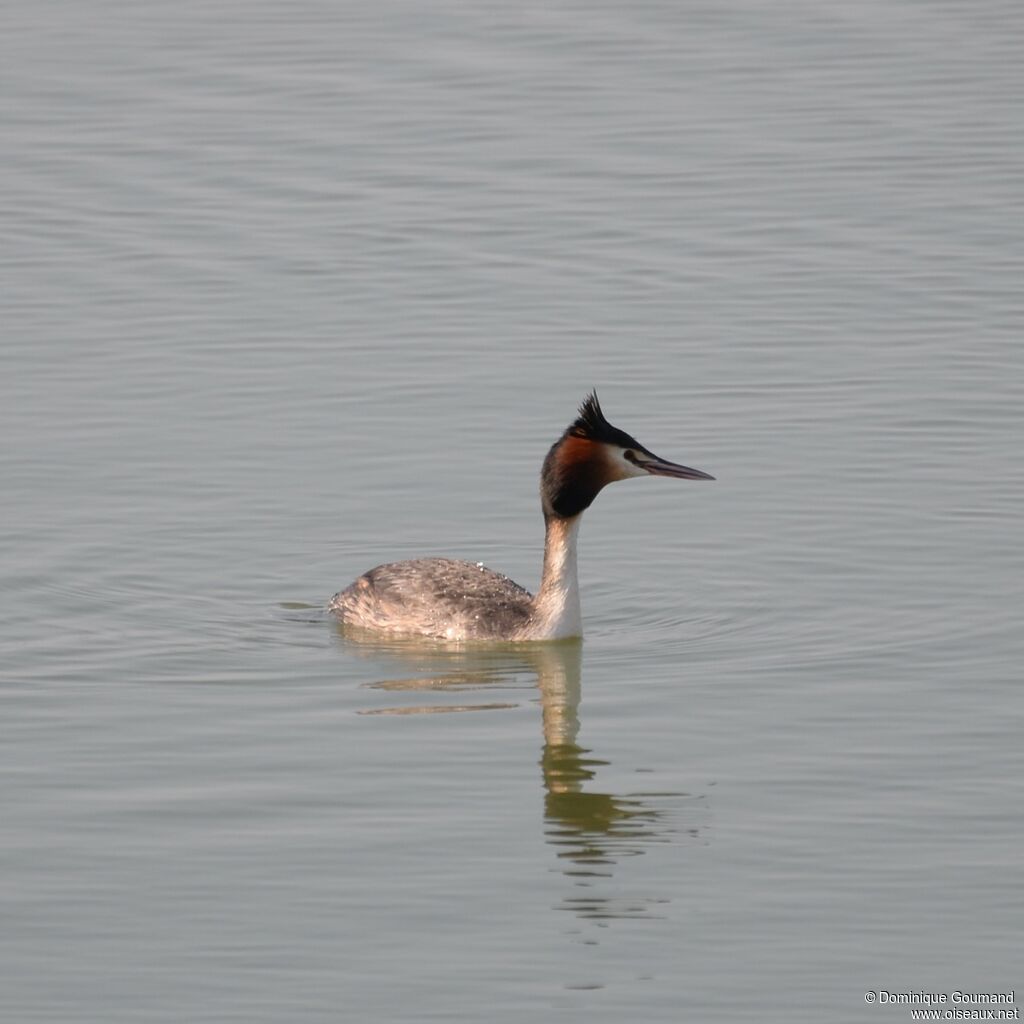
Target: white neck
column 556, row 614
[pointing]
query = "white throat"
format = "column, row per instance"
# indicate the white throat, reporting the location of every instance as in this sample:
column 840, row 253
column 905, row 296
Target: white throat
column 557, row 606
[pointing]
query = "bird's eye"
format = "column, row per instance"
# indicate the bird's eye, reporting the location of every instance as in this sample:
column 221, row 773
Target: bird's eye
column 629, row 455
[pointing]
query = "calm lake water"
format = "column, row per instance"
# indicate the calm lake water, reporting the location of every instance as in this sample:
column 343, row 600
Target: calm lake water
column 290, row 290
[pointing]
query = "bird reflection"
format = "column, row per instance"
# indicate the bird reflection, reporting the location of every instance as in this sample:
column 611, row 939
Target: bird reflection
column 591, row 831
column 586, row 823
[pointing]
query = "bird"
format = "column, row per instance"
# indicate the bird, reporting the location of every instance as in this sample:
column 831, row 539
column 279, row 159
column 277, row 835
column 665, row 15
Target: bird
column 446, row 599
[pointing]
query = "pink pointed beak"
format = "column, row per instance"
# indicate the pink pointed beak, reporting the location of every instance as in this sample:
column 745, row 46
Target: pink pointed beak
column 662, row 467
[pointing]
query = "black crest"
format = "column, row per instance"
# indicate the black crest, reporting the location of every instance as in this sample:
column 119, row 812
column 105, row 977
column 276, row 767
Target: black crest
column 591, row 425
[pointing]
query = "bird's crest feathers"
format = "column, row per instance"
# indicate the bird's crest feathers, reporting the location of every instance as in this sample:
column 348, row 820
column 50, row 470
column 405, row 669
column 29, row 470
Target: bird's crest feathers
column 591, row 425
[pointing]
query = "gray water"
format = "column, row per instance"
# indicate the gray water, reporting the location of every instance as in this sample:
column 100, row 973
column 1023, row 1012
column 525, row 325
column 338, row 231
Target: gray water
column 293, row 289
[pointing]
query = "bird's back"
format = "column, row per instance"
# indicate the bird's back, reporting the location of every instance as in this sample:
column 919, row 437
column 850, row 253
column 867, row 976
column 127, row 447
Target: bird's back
column 436, row 597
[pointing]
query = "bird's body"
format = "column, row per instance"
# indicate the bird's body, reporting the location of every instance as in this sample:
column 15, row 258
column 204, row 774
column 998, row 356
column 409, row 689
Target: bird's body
column 446, row 599
column 436, row 597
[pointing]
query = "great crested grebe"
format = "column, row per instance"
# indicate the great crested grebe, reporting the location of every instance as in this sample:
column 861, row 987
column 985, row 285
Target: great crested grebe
column 452, row 600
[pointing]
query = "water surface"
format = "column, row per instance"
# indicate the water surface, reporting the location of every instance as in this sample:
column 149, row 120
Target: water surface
column 294, row 290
